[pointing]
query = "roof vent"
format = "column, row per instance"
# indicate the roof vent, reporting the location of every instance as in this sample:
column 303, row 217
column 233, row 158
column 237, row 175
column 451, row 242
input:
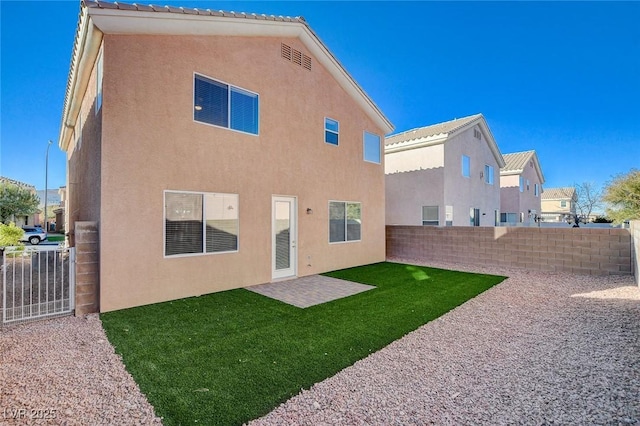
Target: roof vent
column 295, row 56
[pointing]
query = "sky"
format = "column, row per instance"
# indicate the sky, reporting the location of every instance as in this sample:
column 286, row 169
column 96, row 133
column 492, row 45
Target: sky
column 561, row 78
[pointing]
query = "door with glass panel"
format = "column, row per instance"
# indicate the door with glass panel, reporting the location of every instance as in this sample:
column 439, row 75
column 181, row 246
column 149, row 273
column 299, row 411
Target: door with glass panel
column 284, row 232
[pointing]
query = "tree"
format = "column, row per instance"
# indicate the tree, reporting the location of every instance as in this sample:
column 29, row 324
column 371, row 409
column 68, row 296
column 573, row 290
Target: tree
column 623, row 196
column 16, row 201
column 588, row 198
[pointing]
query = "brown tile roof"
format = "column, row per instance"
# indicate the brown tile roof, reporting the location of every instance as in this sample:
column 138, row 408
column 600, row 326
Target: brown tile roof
column 559, row 193
column 434, row 129
column 186, row 10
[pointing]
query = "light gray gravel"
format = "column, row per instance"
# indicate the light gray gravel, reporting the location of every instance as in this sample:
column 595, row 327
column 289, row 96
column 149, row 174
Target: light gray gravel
column 540, row 348
column 64, row 372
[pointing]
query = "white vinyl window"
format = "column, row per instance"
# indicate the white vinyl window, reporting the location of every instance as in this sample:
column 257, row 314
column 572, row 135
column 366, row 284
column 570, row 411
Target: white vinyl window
column 536, row 189
column 331, row 131
column 99, row 72
column 466, row 166
column 488, row 174
column 430, row 216
column 224, row 105
column 345, row 223
column 200, row 222
column 521, row 184
column 371, row 147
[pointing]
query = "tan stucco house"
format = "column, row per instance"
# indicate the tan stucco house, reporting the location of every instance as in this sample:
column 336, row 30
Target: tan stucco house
column 446, row 174
column 216, row 150
column 559, row 204
column 521, row 181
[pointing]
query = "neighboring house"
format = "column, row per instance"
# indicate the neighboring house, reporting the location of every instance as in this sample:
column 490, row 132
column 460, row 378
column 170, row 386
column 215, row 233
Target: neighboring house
column 216, row 150
column 446, row 174
column 59, row 210
column 521, row 181
column 53, row 203
column 26, row 220
column 559, row 204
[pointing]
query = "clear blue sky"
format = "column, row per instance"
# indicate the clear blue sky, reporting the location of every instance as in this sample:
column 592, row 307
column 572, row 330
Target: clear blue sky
column 560, row 78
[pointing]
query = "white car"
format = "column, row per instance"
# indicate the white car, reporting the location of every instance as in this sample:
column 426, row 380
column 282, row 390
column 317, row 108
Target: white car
column 33, row 235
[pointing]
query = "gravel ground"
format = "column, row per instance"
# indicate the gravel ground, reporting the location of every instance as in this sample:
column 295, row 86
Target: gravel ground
column 64, row 372
column 540, row 348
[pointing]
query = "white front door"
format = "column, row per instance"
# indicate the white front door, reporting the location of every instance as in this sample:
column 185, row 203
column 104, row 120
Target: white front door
column 284, row 233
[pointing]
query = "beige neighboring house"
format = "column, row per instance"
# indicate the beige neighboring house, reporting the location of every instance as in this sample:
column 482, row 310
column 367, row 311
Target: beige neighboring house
column 521, row 181
column 26, row 220
column 447, row 174
column 559, row 204
column 59, row 211
column 215, row 151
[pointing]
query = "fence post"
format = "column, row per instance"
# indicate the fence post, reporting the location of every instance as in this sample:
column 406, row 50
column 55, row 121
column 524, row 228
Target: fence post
column 87, row 291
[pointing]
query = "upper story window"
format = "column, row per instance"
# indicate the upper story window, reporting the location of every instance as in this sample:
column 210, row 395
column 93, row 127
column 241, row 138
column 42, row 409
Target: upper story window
column 331, row 130
column 372, row 148
column 521, row 184
column 99, row 66
column 466, row 166
column 563, row 203
column 527, row 184
column 536, row 189
column 223, row 105
column 488, row 174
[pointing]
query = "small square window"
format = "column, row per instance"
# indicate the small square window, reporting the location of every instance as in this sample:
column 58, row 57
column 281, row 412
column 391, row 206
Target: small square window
column 430, row 216
column 331, row 131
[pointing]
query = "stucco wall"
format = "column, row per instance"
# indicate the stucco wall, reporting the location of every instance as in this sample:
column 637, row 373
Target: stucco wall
column 635, row 233
column 464, row 193
column 151, row 144
column 83, row 164
column 514, row 201
column 407, row 192
column 575, row 250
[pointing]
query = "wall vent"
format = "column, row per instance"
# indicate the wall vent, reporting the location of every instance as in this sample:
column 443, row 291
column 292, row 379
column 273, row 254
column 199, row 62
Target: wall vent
column 295, row 56
column 477, row 134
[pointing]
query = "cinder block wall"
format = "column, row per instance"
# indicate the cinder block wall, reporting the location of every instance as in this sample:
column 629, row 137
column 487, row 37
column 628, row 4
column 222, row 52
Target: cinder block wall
column 576, row 250
column 87, row 268
column 635, row 249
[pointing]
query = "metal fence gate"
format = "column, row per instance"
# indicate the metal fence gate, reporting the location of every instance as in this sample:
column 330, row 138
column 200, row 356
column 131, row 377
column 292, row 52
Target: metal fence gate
column 37, row 282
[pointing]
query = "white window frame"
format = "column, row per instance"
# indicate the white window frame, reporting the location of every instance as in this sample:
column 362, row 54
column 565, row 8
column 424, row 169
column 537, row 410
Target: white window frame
column 521, row 184
column 326, row 129
column 204, row 224
column 346, row 224
column 488, row 174
column 230, row 86
column 536, row 190
column 462, row 165
column 99, row 78
column 437, row 221
column 364, row 147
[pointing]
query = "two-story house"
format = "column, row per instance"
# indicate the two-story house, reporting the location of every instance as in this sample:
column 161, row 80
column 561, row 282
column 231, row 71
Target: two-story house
column 26, row 220
column 559, row 204
column 521, row 181
column 446, row 174
column 216, row 150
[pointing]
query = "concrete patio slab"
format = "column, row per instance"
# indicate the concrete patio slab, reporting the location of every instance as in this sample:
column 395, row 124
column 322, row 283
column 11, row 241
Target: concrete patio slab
column 309, row 291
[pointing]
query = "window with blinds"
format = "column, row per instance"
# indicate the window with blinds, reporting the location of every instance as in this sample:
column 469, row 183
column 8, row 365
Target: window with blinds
column 430, row 216
column 221, row 104
column 345, row 222
column 200, row 223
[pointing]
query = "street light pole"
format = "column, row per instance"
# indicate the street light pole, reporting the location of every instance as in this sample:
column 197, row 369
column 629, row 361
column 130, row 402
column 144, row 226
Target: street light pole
column 46, row 186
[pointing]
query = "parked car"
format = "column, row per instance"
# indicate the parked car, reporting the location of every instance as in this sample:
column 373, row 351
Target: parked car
column 34, row 235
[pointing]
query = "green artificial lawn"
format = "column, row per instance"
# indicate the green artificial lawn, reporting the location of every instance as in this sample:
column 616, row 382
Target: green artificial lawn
column 229, row 357
column 55, row 238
